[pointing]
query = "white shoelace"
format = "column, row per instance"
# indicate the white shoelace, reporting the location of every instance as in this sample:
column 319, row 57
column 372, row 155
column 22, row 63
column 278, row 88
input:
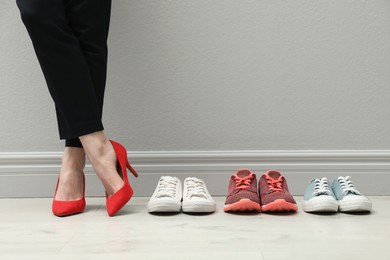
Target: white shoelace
column 346, row 185
column 196, row 188
column 321, row 187
column 166, row 187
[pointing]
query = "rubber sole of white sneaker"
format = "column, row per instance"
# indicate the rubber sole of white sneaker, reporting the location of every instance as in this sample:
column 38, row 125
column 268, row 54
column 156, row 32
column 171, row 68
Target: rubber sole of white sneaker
column 320, row 204
column 355, row 206
column 198, row 206
column 164, row 206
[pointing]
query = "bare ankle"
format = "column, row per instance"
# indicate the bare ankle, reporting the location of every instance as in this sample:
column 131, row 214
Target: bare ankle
column 101, row 154
column 73, row 159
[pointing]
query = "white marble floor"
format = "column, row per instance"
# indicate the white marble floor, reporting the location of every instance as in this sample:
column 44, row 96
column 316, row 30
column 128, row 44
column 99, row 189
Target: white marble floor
column 28, row 230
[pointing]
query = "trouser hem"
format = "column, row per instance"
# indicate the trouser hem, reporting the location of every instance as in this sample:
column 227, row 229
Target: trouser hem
column 83, row 130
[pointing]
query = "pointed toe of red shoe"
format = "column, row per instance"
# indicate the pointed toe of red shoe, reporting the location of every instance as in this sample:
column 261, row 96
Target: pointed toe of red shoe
column 66, row 208
column 115, row 202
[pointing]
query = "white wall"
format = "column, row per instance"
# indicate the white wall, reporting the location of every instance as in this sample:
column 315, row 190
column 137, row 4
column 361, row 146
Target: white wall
column 230, row 80
column 220, row 75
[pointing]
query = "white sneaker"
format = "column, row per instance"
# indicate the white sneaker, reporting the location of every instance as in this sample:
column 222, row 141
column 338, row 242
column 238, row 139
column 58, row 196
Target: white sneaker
column 319, row 197
column 196, row 198
column 349, row 198
column 166, row 196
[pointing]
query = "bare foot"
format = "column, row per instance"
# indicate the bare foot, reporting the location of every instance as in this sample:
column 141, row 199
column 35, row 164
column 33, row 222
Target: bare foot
column 71, row 184
column 103, row 159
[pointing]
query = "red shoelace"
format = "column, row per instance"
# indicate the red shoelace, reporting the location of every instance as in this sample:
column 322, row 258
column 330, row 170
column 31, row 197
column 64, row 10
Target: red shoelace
column 275, row 185
column 243, row 183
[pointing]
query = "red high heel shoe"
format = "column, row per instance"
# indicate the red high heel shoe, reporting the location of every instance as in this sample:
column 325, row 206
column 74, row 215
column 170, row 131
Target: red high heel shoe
column 115, row 202
column 65, row 208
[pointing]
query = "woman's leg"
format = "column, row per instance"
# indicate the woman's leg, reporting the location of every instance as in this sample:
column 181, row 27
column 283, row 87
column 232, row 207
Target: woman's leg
column 102, row 156
column 70, row 84
column 64, row 66
column 70, row 186
column 90, row 20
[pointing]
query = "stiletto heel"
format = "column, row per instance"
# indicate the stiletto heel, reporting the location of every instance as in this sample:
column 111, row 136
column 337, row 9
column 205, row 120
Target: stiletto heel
column 65, row 208
column 131, row 169
column 115, row 202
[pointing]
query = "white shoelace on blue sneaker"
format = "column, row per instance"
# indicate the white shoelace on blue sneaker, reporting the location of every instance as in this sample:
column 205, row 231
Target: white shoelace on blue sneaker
column 321, row 187
column 166, row 187
column 196, row 188
column 347, row 186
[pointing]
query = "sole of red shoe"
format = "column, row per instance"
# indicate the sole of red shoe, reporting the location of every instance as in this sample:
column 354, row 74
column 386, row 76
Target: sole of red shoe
column 66, row 214
column 243, row 205
column 279, row 205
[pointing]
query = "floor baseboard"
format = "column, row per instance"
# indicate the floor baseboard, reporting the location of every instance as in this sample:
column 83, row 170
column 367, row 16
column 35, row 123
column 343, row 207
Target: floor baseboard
column 35, row 174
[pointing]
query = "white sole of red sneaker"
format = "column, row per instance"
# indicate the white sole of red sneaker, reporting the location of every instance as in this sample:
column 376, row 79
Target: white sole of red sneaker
column 279, row 205
column 243, row 205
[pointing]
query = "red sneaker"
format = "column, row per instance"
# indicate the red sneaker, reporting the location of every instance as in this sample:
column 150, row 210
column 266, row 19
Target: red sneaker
column 274, row 194
column 242, row 193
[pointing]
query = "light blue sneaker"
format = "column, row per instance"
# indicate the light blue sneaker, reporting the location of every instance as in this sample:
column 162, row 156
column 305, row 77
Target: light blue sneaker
column 319, row 197
column 349, row 198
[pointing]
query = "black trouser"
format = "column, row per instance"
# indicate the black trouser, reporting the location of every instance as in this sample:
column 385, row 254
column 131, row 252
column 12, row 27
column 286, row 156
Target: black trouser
column 70, row 41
